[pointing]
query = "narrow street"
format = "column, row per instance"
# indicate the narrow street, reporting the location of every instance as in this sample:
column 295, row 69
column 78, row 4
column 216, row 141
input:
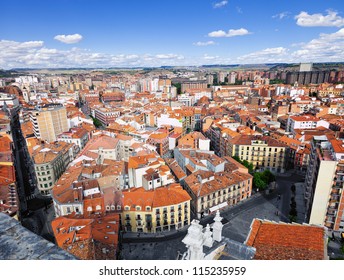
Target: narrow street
column 31, row 203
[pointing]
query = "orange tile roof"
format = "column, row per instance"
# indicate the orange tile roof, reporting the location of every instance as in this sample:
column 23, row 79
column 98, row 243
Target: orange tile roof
column 141, row 161
column 220, row 181
column 7, row 174
column 286, row 241
column 5, row 144
column 305, row 118
column 160, row 197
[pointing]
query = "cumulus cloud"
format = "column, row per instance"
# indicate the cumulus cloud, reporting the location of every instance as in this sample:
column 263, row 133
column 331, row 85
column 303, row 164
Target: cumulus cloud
column 69, row 39
column 202, row 44
column 34, row 54
column 267, row 55
column 220, row 4
column 229, row 33
column 327, row 47
column 331, row 19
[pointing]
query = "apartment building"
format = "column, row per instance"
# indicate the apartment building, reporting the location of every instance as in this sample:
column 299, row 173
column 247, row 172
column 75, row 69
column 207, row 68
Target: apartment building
column 50, row 162
column 76, row 135
column 188, row 99
column 88, row 188
column 156, row 210
column 49, row 122
column 148, row 171
column 305, row 122
column 106, row 115
column 324, row 183
column 199, row 84
column 102, row 145
column 263, row 152
column 194, row 140
column 191, row 160
column 161, row 141
column 211, row 191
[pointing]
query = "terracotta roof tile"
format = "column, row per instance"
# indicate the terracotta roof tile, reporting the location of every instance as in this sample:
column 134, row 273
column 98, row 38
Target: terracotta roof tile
column 286, row 241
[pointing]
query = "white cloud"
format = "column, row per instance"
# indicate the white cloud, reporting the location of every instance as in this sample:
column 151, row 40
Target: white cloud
column 210, row 57
column 201, row 44
column 230, row 33
column 34, row 54
column 281, row 15
column 169, row 56
column 327, row 47
column 267, row 55
column 69, row 39
column 220, row 4
column 331, row 19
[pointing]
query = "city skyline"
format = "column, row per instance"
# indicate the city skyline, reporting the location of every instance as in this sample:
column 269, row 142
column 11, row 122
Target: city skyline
column 151, row 33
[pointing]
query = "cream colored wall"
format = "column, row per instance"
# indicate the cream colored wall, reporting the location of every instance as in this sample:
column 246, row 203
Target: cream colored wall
column 322, row 192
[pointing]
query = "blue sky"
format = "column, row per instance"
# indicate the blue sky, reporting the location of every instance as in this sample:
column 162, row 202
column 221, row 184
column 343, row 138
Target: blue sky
column 99, row 33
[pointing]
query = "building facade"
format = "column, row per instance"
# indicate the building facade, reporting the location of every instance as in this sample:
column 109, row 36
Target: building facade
column 48, row 123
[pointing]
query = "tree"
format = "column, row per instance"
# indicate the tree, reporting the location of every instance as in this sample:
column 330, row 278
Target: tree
column 179, row 87
column 97, row 123
column 267, row 176
column 258, row 182
column 245, row 163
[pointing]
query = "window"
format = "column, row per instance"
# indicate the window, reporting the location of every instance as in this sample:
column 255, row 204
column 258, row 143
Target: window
column 119, row 207
column 98, row 207
column 126, row 208
column 138, row 208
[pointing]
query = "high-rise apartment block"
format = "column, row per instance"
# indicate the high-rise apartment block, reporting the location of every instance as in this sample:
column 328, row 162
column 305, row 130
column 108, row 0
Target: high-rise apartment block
column 324, row 183
column 49, row 122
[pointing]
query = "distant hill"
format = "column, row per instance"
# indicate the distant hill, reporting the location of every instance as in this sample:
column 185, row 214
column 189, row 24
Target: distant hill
column 7, row 73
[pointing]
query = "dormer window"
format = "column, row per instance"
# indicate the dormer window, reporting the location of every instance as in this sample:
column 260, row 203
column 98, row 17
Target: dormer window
column 126, row 208
column 119, row 207
column 89, row 209
column 138, row 208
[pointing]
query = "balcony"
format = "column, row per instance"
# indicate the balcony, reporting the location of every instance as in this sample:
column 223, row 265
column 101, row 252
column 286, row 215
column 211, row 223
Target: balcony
column 330, row 220
column 337, row 186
